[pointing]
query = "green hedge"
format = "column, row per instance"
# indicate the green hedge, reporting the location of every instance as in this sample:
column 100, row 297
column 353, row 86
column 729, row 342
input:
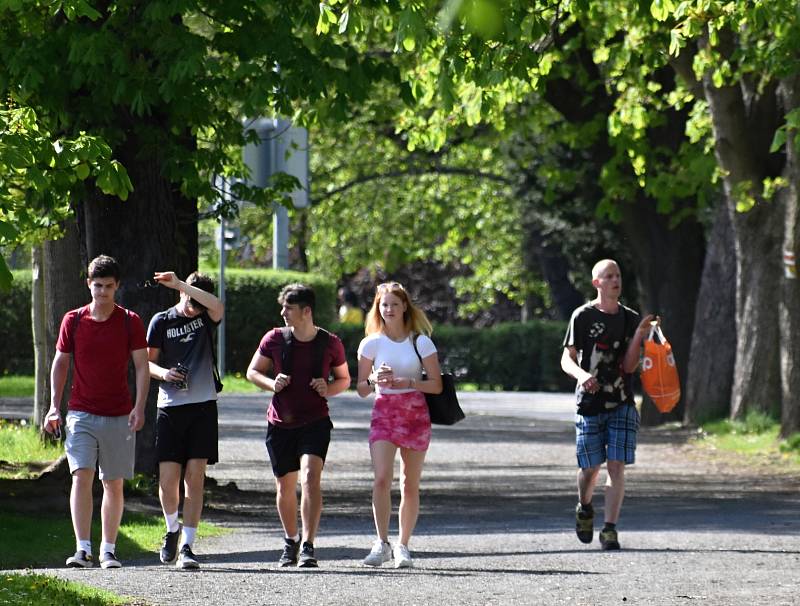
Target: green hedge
column 251, row 308
column 16, row 346
column 511, row 357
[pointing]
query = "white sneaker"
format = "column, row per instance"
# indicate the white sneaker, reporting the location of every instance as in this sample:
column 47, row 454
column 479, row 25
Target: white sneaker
column 402, row 557
column 381, row 552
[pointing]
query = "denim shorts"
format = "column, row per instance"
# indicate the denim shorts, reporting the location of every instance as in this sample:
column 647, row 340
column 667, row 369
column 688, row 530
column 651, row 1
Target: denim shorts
column 607, row 436
column 93, row 439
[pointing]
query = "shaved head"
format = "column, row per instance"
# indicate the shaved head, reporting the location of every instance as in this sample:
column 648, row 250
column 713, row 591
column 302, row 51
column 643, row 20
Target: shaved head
column 601, row 266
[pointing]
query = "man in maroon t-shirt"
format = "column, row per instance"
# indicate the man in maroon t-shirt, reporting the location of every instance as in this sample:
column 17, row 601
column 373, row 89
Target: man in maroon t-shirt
column 101, row 423
column 299, row 426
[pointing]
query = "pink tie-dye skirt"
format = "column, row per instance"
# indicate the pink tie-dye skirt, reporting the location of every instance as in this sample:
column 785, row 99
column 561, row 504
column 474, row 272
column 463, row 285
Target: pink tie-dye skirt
column 402, row 419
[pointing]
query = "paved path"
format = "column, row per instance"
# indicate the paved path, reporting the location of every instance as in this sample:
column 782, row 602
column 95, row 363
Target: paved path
column 496, row 523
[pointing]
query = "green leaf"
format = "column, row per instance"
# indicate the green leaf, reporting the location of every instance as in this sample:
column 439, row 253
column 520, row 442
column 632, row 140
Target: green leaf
column 660, row 9
column 779, row 140
column 7, row 231
column 343, row 20
column 322, row 22
column 82, row 170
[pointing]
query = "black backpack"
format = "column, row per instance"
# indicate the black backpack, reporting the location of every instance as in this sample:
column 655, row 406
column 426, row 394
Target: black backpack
column 320, row 345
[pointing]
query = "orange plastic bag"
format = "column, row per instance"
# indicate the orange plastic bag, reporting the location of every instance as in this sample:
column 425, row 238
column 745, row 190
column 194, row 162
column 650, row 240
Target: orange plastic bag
column 659, row 374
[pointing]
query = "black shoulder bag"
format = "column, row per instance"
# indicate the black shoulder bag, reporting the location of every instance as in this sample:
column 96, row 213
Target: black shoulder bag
column 443, row 407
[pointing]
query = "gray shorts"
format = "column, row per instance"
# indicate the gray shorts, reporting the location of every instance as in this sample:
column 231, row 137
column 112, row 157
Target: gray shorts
column 107, row 440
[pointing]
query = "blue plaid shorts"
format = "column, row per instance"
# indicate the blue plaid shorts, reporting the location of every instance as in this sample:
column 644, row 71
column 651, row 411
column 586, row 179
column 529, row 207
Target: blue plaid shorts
column 607, row 436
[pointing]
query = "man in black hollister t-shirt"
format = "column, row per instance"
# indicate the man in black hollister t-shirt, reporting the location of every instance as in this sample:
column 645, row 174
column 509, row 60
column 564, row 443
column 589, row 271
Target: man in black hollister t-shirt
column 601, row 351
column 181, row 357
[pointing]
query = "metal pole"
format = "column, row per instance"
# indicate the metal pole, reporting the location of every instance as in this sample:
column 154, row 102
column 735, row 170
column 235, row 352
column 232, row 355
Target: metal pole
column 280, row 237
column 221, row 327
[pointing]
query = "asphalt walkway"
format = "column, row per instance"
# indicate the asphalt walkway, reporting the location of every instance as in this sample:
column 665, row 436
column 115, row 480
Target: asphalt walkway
column 497, row 519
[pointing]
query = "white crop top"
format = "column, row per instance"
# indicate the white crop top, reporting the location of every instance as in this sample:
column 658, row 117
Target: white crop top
column 400, row 356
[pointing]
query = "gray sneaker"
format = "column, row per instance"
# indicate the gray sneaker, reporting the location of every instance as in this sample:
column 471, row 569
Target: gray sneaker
column 81, row 559
column 381, row 552
column 289, row 556
column 307, row 558
column 186, row 559
column 109, row 560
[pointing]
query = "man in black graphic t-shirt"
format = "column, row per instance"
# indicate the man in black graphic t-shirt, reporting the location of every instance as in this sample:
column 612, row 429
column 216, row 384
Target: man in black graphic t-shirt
column 601, row 351
column 180, row 352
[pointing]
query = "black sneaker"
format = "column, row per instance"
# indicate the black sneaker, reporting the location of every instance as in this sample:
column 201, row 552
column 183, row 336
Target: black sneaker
column 584, row 523
column 81, row 559
column 307, row 559
column 109, row 560
column 169, row 550
column 289, row 555
column 608, row 539
column 186, row 559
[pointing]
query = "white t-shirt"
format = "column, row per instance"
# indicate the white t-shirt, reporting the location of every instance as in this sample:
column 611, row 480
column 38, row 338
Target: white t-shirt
column 400, row 356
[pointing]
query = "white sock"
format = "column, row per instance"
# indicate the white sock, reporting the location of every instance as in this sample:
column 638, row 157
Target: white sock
column 172, row 521
column 295, row 538
column 107, row 548
column 187, row 538
column 85, row 546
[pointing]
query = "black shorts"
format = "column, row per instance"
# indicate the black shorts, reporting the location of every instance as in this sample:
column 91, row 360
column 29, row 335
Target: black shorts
column 286, row 446
column 187, row 432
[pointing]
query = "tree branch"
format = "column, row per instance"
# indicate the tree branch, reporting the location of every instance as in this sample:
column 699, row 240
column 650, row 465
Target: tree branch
column 413, row 172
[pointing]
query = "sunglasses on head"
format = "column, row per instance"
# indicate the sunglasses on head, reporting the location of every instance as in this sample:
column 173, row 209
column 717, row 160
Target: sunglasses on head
column 389, row 286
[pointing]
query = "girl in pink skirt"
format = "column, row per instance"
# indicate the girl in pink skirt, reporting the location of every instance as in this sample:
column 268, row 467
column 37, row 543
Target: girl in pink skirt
column 389, row 366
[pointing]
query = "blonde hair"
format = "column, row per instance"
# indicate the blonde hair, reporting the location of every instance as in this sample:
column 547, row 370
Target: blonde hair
column 414, row 319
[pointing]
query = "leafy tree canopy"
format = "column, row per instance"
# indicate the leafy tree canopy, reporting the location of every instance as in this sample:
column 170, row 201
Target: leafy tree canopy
column 38, row 174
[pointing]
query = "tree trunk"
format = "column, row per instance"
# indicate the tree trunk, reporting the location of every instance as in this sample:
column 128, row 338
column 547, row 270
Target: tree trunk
column 41, row 394
column 739, row 127
column 756, row 381
column 709, row 377
column 62, row 287
column 668, row 263
column 789, row 315
column 154, row 230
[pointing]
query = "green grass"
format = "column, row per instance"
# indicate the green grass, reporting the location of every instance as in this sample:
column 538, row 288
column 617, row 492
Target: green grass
column 31, row 541
column 17, row 386
column 40, row 589
column 236, row 383
column 755, row 436
column 21, row 443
